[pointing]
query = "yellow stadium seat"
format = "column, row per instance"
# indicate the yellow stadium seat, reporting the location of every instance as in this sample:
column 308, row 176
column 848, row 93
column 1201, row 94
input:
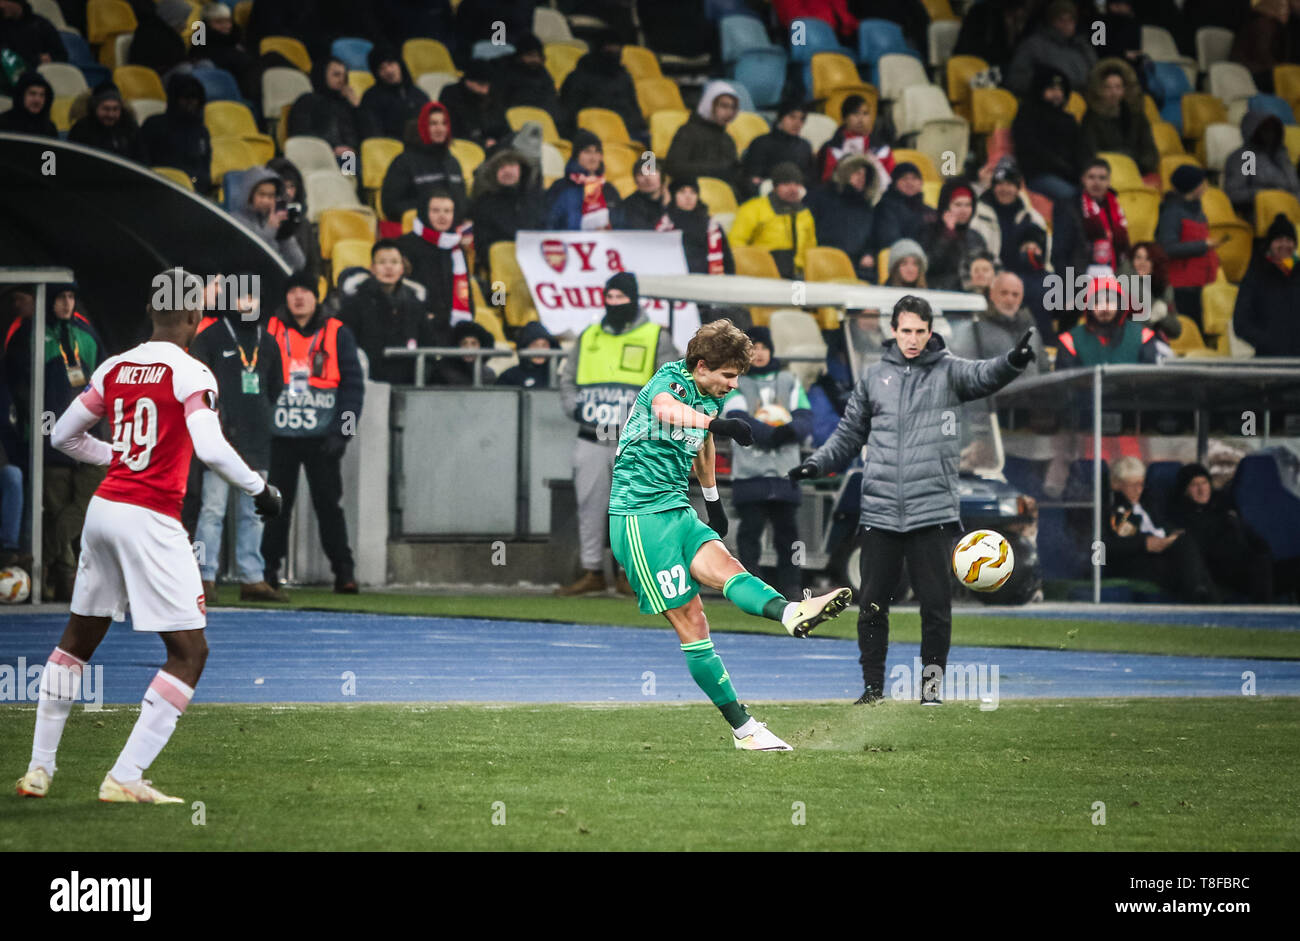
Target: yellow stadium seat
column 754, row 262
column 427, row 55
column 605, row 124
column 138, row 81
column 408, row 220
column 1168, row 143
column 624, row 184
column 1150, row 110
column 619, row 162
column 61, row 113
column 1234, row 254
column 360, row 81
column 823, row 263
column 939, row 10
column 1142, row 209
column 243, row 10
column 292, row 49
column 834, row 105
column 747, row 126
column 1171, row 162
column 1200, row 111
column 232, row 119
column 338, row 224
column 641, row 63
column 1216, row 206
column 520, row 115
column 1268, row 203
column 1190, row 342
column 376, row 154
column 929, row 173
column 882, row 265
column 105, row 19
column 350, row 253
column 1076, row 105
column 1217, row 303
column 560, row 60
column 196, row 14
column 486, row 316
column 282, row 126
column 665, row 124
column 992, row 108
column 1292, row 132
column 1124, row 174
column 717, row 195
column 502, row 264
column 833, row 71
column 505, row 272
column 658, row 94
column 930, row 190
column 229, row 154
column 179, row 177
column 1286, row 83
column 960, row 70
column 469, row 155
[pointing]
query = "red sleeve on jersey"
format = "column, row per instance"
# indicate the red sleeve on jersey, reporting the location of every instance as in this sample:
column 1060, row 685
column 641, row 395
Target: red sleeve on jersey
column 198, row 401
column 93, row 401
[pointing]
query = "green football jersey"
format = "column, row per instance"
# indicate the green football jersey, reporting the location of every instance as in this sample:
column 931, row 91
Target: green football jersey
column 652, row 467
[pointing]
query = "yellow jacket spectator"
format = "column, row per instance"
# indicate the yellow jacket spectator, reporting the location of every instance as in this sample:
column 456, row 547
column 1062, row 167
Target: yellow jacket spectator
column 779, row 221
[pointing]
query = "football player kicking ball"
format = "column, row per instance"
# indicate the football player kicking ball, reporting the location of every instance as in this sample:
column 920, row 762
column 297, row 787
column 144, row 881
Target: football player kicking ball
column 134, row 550
column 666, row 550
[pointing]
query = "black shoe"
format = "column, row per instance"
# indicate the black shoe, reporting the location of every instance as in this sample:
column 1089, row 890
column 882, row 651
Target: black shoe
column 932, row 702
column 870, row 697
column 345, row 586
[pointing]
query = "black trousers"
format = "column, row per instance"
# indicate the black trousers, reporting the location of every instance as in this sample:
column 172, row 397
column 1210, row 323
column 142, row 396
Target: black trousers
column 754, row 518
column 325, row 481
column 927, row 553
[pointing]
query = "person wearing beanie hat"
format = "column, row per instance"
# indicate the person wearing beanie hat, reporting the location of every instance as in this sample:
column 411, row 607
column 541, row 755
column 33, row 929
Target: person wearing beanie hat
column 317, row 413
column 531, row 372
column 842, row 212
column 1183, row 231
column 702, row 146
column 1055, row 43
column 1048, row 142
column 1108, row 334
column 394, row 99
column 474, row 107
column 706, row 246
column 772, row 401
column 779, row 221
column 109, row 125
column 331, row 111
column 901, row 211
column 459, row 370
column 949, row 241
column 1268, row 298
column 1001, row 214
column 526, row 82
column 907, row 265
column 1268, row 167
column 599, row 381
column 425, row 166
column 599, row 80
column 780, row 145
column 582, row 200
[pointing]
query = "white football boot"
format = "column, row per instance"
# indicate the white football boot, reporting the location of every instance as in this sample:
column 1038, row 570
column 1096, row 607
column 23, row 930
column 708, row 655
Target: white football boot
column 760, row 739
column 812, row 611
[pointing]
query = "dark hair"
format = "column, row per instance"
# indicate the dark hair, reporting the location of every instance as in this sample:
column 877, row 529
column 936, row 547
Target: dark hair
column 910, row 303
column 1159, row 265
column 719, row 343
column 851, row 104
column 1095, row 162
column 383, row 244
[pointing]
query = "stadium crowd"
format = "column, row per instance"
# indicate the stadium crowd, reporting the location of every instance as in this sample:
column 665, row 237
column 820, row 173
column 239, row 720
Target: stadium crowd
column 390, row 151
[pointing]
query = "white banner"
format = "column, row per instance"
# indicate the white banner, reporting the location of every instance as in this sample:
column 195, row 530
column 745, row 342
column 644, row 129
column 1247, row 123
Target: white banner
column 567, row 271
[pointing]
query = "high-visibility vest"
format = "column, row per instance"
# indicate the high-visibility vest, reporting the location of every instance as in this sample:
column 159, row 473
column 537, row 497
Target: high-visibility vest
column 307, row 404
column 611, row 370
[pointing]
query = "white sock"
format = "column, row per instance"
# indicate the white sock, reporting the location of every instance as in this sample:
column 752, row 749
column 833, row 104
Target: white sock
column 789, row 610
column 60, row 689
column 749, row 728
column 162, row 706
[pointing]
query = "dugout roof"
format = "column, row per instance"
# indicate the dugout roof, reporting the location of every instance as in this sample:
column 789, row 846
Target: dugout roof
column 1177, row 386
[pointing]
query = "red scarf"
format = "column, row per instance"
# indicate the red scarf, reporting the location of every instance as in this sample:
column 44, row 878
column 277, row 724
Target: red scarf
column 859, row 145
column 450, row 241
column 595, row 214
column 1110, row 248
column 715, row 242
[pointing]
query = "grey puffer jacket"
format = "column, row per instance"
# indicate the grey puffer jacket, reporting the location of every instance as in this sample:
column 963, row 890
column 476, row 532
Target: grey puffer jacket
column 913, row 448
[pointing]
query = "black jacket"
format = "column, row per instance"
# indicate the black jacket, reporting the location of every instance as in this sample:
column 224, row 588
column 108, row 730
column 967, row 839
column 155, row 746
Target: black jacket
column 766, row 151
column 388, row 107
column 703, row 148
column 245, row 416
column 155, row 44
column 948, row 252
column 597, row 82
column 533, row 87
column 379, row 319
column 1267, row 314
column 899, row 217
column 325, row 113
column 31, row 35
column 478, row 118
column 1047, row 138
column 527, row 374
column 694, row 227
column 431, row 268
column 420, row 169
column 637, row 211
column 843, row 217
column 501, row 211
column 177, row 139
column 19, row 120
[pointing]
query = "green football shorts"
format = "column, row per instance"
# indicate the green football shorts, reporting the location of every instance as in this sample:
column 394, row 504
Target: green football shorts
column 656, row 551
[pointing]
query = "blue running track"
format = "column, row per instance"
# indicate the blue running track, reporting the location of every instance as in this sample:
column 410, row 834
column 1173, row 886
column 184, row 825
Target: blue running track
column 298, row 656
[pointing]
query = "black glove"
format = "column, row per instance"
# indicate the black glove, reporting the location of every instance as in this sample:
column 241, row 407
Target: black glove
column 1023, row 354
column 268, row 502
column 784, row 434
column 734, row 428
column 333, row 446
column 717, row 517
column 805, row 471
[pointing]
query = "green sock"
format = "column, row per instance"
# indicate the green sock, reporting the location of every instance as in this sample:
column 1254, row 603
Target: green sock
column 752, row 595
column 711, row 676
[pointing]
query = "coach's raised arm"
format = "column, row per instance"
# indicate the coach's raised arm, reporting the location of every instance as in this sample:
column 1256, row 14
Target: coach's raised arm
column 905, row 410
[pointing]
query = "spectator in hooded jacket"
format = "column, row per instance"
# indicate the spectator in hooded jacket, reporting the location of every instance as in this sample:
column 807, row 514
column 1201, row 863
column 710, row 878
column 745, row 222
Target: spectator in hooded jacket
column 33, row 97
column 426, row 164
column 1003, row 214
column 949, row 241
column 474, row 110
column 506, row 200
column 644, row 208
column 1116, row 120
column 109, row 125
column 382, row 310
column 782, row 144
column 532, row 372
column 581, row 200
column 1237, row 559
column 1264, row 42
column 598, row 80
column 156, row 43
column 842, row 212
column 29, row 35
column 295, row 199
column 703, row 241
column 223, row 46
column 1055, row 43
column 1263, row 137
column 702, row 146
column 901, row 212
column 1123, row 33
column 779, row 221
column 178, row 137
column 330, row 111
column 1184, row 233
column 254, row 201
column 459, row 370
column 526, row 82
column 992, row 29
column 1107, row 334
column 435, row 248
column 1267, row 314
column 1049, row 143
column 394, row 99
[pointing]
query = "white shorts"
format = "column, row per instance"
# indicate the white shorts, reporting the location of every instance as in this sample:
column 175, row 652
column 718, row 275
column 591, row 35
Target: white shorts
column 141, row 558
